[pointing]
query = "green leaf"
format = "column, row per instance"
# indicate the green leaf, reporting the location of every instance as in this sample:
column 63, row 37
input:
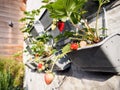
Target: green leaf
column 23, row 19
column 66, row 49
column 75, row 18
column 66, row 9
column 70, row 5
column 45, row 1
column 27, row 13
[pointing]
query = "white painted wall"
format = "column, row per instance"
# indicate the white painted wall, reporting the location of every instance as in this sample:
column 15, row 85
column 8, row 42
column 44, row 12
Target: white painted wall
column 34, row 4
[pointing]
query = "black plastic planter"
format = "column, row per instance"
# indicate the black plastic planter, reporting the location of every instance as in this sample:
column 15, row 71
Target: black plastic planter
column 62, row 63
column 31, row 64
column 101, row 57
column 38, row 29
column 28, row 41
column 46, row 20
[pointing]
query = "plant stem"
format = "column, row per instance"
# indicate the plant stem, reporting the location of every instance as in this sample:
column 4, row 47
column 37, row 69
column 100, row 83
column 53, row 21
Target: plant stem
column 53, row 64
column 76, row 39
column 88, row 27
column 77, row 26
column 97, row 16
column 56, row 58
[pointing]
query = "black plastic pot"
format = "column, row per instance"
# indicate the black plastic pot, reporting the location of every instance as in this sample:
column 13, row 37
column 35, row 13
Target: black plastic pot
column 101, row 57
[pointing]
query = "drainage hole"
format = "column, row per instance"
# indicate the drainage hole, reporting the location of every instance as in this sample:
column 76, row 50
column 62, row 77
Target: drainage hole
column 111, row 41
column 118, row 59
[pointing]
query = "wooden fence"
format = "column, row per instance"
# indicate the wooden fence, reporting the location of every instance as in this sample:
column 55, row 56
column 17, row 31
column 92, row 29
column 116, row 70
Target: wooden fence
column 11, row 38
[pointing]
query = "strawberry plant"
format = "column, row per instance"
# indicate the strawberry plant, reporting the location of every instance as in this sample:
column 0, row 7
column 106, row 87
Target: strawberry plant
column 61, row 11
column 67, row 9
column 73, row 10
column 29, row 20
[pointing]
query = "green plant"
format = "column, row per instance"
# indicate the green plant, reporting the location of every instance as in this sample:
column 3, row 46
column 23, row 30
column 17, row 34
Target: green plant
column 66, row 10
column 29, row 20
column 6, row 82
column 11, row 74
column 61, row 36
column 73, row 10
column 101, row 3
column 40, row 47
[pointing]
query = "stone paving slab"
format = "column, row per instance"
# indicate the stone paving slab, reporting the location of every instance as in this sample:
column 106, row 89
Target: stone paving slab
column 73, row 79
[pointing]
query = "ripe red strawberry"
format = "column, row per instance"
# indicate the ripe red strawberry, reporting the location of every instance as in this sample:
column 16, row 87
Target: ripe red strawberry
column 74, row 46
column 40, row 65
column 48, row 77
column 60, row 25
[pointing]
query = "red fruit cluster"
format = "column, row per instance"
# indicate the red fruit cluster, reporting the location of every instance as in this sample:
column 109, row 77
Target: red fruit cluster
column 74, row 46
column 60, row 25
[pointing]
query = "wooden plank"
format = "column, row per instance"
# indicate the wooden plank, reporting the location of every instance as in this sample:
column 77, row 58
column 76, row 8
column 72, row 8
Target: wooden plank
column 5, row 25
column 14, row 22
column 12, row 13
column 10, row 50
column 10, row 7
column 9, row 18
column 14, row 50
column 11, row 45
column 7, row 30
column 10, row 3
column 7, row 52
column 11, row 41
column 6, row 8
column 12, row 36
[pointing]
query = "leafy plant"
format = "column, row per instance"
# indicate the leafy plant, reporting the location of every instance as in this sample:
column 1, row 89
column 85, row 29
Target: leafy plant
column 6, row 81
column 66, row 34
column 66, row 10
column 73, row 10
column 29, row 20
column 40, row 46
column 44, row 38
column 101, row 3
column 11, row 74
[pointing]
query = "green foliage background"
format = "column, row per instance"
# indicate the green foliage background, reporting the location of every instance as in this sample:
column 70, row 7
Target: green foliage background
column 11, row 74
